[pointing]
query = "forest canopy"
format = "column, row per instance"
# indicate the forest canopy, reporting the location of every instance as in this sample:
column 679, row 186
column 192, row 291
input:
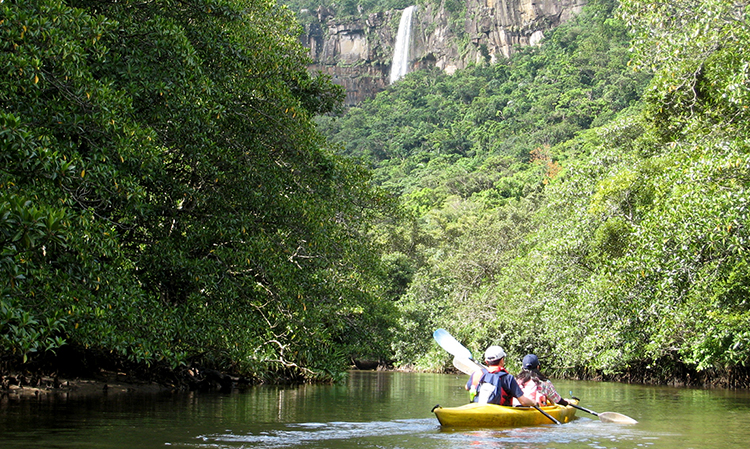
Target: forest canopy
column 166, row 200
column 177, row 190
column 585, row 200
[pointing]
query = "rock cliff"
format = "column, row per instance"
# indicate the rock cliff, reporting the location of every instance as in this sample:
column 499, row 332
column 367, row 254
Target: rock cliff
column 357, row 51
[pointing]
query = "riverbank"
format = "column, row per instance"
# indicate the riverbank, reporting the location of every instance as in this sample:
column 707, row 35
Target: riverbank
column 103, row 382
column 35, row 384
column 25, row 386
column 666, row 373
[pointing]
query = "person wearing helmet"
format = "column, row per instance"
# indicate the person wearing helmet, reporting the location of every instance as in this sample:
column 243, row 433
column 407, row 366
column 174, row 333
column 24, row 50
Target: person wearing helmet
column 493, row 384
column 536, row 385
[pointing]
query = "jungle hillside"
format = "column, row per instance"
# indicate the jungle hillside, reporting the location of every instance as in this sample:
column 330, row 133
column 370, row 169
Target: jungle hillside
column 177, row 191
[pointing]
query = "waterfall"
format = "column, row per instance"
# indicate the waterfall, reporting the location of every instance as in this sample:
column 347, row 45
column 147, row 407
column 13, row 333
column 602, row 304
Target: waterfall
column 400, row 64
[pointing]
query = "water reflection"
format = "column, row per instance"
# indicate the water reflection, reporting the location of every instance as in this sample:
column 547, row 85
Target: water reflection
column 372, row 410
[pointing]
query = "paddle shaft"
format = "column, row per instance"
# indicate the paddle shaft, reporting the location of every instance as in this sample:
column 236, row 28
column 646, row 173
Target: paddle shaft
column 614, row 417
column 547, row 415
column 584, row 409
column 606, row 416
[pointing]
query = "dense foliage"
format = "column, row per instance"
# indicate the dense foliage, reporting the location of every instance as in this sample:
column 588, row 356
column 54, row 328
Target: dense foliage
column 165, row 198
column 434, row 135
column 562, row 207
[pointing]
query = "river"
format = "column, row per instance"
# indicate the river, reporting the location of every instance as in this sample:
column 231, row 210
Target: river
column 380, row 410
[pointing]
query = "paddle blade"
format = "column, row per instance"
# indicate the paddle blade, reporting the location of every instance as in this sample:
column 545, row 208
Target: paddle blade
column 450, row 344
column 466, row 366
column 617, row 418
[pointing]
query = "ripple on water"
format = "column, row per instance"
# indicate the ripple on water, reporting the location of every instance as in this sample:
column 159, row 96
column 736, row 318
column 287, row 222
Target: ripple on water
column 581, row 433
column 315, row 434
column 425, row 433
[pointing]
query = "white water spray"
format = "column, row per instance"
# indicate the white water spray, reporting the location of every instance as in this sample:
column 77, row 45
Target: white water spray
column 400, row 64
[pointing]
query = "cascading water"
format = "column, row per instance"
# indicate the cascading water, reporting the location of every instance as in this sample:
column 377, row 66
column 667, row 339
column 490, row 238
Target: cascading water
column 400, row 64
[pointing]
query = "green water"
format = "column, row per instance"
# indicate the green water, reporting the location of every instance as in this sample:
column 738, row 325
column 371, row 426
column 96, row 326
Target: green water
column 372, row 410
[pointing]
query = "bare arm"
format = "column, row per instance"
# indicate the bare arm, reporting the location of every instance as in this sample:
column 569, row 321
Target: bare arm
column 470, row 382
column 525, row 400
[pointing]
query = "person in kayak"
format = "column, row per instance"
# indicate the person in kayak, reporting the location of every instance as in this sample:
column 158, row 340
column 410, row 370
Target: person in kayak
column 495, row 385
column 536, row 385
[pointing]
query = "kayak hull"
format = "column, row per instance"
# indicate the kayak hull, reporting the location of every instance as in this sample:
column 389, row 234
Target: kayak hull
column 491, row 415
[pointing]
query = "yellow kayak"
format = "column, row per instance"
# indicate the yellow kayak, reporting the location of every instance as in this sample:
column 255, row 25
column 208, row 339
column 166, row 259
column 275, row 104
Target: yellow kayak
column 491, row 415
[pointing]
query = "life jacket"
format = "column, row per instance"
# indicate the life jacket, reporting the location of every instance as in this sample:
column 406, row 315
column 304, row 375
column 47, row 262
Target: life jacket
column 497, row 395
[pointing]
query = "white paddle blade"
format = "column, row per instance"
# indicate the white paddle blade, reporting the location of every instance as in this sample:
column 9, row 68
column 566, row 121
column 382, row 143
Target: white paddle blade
column 466, row 366
column 617, row 418
column 450, row 344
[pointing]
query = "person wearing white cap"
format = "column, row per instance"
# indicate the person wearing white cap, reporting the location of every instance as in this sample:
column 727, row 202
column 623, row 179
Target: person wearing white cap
column 494, row 385
column 536, row 385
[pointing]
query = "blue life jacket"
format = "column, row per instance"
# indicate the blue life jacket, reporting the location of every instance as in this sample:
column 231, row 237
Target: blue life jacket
column 499, row 395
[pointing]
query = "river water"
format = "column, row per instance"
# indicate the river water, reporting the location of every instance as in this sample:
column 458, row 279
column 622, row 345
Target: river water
column 379, row 410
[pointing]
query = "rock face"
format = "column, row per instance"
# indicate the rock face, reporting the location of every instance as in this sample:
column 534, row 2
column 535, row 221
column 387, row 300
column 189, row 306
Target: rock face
column 357, row 52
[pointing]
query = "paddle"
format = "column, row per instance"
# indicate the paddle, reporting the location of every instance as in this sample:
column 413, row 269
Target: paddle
column 462, row 359
column 547, row 415
column 450, row 344
column 466, row 366
column 614, row 417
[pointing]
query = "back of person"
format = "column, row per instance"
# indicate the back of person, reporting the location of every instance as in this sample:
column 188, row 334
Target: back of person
column 491, row 390
column 493, row 384
column 532, row 389
column 535, row 385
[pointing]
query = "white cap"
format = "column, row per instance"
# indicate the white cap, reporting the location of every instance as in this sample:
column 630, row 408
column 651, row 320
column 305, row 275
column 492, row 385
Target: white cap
column 493, row 354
